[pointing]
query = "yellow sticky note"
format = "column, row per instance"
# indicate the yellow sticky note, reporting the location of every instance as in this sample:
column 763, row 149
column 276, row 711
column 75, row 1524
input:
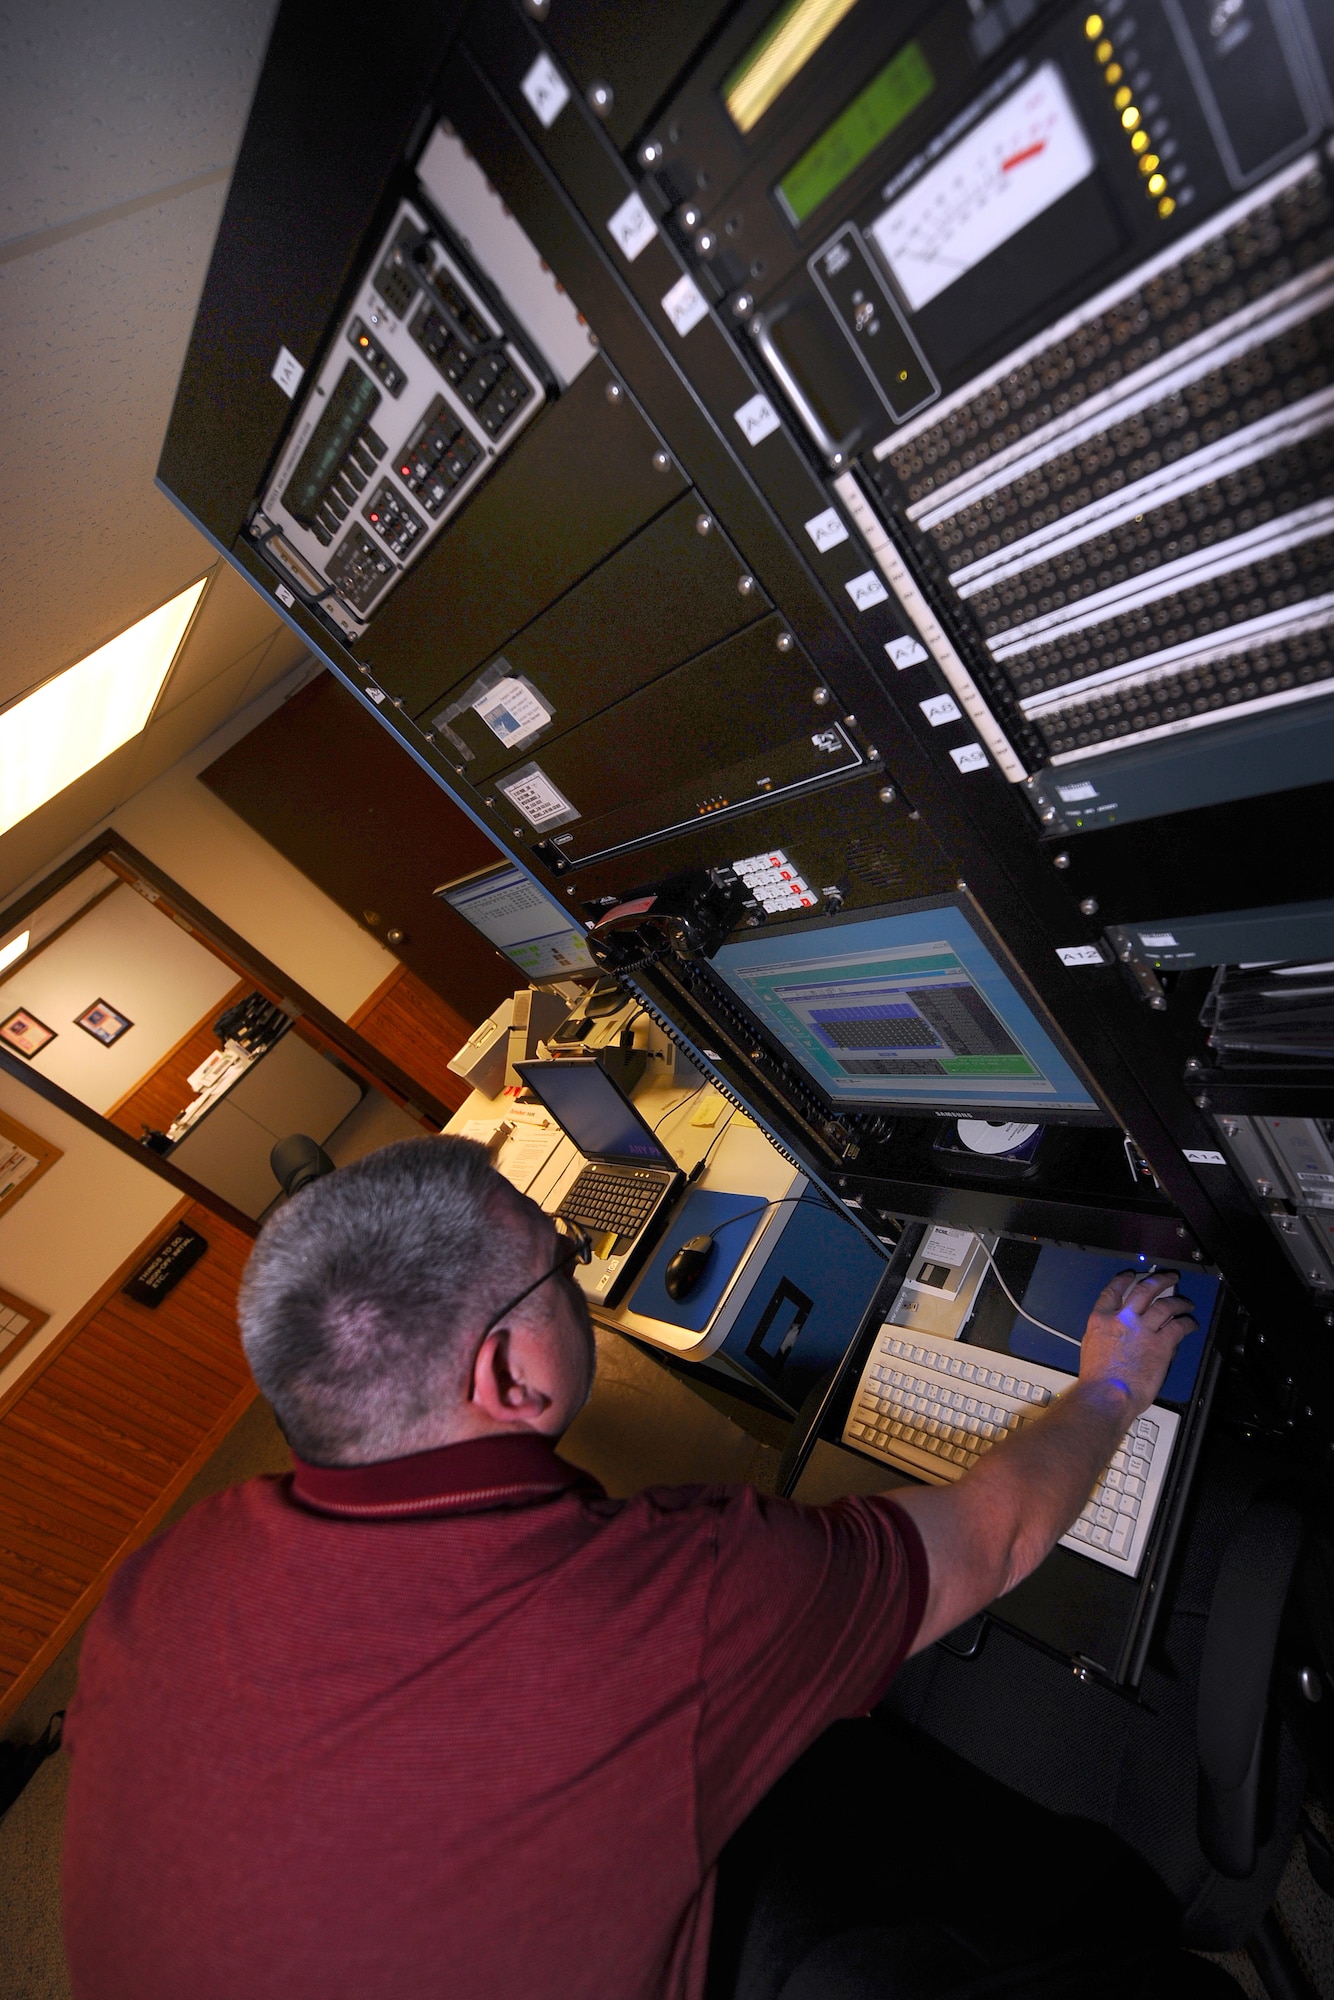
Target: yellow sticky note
column 708, row 1113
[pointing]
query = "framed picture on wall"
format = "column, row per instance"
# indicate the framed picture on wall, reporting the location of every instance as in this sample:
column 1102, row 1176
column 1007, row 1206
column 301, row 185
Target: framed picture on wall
column 24, row 1033
column 18, row 1323
column 103, row 1023
column 24, row 1158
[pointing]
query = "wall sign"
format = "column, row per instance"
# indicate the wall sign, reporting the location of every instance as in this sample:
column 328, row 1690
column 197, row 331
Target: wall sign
column 163, row 1268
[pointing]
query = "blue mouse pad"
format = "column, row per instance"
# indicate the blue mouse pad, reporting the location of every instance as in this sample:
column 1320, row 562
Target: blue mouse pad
column 702, row 1213
column 1062, row 1290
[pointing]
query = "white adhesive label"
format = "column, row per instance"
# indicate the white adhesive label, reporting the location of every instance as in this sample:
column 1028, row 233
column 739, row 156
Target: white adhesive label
column 1156, row 940
column 284, row 595
column 905, row 652
column 632, row 228
column 685, row 305
column 513, row 711
column 1079, row 954
column 546, row 91
column 1070, row 793
column 970, row 757
column 948, row 1246
column 287, row 372
column 826, row 530
column 1204, row 1158
column 940, row 709
column 758, row 419
column 541, row 803
column 866, row 590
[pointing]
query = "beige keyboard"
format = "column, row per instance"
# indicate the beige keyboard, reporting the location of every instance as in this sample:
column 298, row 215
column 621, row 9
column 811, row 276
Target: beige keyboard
column 931, row 1406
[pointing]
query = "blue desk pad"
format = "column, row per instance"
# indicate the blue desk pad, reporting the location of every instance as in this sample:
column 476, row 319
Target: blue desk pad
column 1064, row 1284
column 702, row 1213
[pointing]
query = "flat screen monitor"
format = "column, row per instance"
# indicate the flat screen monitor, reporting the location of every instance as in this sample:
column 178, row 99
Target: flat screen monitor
column 905, row 1009
column 521, row 920
column 595, row 1112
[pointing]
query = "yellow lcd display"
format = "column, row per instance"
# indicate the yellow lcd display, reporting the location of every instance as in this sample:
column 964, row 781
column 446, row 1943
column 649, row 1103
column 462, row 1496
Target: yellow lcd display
column 785, row 47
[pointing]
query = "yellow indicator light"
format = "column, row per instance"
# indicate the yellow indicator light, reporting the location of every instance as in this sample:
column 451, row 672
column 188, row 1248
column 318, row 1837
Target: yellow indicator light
column 1122, row 97
column 1093, row 27
column 1113, row 73
column 1103, row 52
column 1130, row 117
column 1166, row 206
column 1157, row 183
column 1148, row 162
column 1138, row 140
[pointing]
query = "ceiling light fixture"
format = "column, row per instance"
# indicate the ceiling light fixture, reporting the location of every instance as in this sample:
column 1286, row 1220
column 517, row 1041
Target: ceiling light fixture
column 14, row 949
column 60, row 730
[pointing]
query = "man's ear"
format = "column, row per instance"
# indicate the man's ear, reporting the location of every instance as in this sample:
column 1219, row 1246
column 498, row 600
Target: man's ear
column 498, row 1390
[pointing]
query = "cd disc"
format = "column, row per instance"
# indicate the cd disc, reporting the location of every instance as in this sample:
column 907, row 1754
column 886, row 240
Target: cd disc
column 982, row 1135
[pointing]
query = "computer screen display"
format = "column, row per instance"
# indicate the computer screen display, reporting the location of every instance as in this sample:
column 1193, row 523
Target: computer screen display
column 521, row 920
column 906, row 1009
column 594, row 1112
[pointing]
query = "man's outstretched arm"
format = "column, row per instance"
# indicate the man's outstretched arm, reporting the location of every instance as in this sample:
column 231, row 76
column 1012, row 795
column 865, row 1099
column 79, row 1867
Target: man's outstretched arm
column 983, row 1535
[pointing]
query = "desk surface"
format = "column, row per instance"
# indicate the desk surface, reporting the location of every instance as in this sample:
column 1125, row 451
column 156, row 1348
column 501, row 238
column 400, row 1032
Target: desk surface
column 691, row 1121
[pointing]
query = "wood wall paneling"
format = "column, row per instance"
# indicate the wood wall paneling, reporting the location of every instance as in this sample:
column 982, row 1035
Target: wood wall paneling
column 419, row 1031
column 102, row 1439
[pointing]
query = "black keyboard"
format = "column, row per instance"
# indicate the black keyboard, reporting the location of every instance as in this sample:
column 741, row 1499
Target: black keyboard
column 604, row 1199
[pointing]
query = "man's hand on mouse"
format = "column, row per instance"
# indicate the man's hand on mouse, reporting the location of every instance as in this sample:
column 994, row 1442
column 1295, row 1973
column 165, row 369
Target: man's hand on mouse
column 1133, row 1332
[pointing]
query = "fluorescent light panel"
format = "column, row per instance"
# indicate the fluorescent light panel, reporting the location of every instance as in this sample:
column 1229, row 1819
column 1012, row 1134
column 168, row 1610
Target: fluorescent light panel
column 55, row 734
column 14, row 949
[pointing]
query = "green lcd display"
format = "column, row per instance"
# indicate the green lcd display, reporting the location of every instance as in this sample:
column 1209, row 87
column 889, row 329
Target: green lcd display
column 352, row 402
column 870, row 118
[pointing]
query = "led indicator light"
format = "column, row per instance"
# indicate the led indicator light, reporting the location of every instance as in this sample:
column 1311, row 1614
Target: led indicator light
column 1093, row 27
column 1130, row 117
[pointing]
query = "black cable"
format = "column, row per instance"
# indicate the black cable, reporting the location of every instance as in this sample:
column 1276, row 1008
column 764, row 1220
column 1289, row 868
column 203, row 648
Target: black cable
column 681, row 1103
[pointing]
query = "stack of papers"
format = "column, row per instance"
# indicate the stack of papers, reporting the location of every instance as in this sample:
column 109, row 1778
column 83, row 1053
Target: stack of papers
column 213, row 1078
column 528, row 1145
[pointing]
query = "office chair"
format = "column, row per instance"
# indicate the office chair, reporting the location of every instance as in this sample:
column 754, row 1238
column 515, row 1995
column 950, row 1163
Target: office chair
column 945, row 1875
column 296, row 1161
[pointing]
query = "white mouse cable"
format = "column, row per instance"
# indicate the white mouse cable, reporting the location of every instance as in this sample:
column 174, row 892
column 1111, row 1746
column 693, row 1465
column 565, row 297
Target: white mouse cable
column 995, row 1270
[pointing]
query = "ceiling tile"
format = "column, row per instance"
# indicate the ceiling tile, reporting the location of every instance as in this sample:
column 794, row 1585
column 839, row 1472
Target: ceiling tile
column 94, row 331
column 66, row 819
column 233, row 620
column 169, row 737
column 287, row 651
column 102, row 100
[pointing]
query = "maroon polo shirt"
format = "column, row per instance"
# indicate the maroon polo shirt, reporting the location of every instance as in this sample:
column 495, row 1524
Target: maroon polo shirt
column 454, row 1725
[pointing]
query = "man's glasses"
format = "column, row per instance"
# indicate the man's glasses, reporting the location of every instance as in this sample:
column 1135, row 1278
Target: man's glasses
column 578, row 1249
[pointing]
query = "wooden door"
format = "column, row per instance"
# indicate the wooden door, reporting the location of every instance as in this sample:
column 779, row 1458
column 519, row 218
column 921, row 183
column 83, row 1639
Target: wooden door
column 321, row 781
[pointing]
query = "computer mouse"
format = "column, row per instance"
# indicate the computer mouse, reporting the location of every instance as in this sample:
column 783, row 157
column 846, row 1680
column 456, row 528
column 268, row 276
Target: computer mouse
column 686, row 1268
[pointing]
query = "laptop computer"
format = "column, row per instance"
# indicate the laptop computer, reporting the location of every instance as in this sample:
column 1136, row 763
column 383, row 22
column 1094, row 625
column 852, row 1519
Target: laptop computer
column 626, row 1189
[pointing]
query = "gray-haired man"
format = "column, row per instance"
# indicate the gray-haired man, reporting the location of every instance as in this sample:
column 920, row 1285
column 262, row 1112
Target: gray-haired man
column 434, row 1714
